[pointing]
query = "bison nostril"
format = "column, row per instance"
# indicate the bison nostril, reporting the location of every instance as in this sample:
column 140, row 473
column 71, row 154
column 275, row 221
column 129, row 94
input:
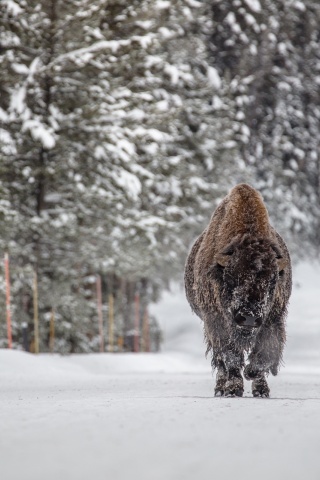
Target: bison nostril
column 258, row 322
column 240, row 319
column 247, row 320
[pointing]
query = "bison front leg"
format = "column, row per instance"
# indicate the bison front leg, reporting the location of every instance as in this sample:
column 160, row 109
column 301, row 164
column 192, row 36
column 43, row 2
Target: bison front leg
column 260, row 386
column 233, row 361
column 229, row 383
column 234, row 384
column 221, row 379
column 265, row 357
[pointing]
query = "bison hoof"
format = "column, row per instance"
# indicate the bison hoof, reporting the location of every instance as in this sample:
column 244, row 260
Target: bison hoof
column 234, row 387
column 220, row 385
column 257, row 394
column 260, row 388
column 234, row 393
column 218, row 393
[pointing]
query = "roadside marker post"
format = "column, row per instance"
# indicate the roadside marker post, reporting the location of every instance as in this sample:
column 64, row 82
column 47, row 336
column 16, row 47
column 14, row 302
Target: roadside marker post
column 25, row 340
column 136, row 342
column 100, row 316
column 52, row 332
column 111, row 323
column 8, row 306
column 146, row 332
column 35, row 313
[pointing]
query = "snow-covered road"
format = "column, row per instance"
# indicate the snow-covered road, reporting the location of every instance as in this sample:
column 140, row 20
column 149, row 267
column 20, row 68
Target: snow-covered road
column 67, row 422
column 153, row 416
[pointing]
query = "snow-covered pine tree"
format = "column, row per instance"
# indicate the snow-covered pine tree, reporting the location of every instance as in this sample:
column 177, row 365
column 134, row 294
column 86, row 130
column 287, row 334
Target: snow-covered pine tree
column 113, row 118
column 268, row 51
column 155, row 109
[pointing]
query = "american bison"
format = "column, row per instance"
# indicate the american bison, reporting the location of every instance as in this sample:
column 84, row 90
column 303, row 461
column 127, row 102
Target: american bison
column 238, row 281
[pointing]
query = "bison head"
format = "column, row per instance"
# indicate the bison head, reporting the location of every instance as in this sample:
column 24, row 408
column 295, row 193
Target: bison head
column 248, row 271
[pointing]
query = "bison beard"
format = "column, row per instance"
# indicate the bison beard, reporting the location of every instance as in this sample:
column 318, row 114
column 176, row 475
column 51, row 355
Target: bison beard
column 238, row 281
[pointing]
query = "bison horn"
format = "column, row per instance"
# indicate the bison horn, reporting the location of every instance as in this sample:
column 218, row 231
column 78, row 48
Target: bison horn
column 282, row 263
column 222, row 259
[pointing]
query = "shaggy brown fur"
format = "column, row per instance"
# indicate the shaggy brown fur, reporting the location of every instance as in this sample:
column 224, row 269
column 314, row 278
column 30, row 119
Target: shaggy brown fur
column 239, row 271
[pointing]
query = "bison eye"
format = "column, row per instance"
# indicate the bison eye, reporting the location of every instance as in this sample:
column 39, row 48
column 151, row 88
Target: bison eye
column 281, row 273
column 282, row 263
column 223, row 259
column 220, row 268
column 228, row 251
column 216, row 271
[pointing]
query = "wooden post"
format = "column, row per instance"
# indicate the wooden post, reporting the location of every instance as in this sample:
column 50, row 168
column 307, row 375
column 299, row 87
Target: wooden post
column 35, row 313
column 123, row 313
column 25, row 340
column 8, row 306
column 120, row 343
column 111, row 323
column 51, row 335
column 100, row 317
column 136, row 342
column 146, row 332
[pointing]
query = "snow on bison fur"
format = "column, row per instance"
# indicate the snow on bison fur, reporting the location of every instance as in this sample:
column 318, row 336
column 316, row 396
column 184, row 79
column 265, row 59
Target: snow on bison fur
column 238, row 281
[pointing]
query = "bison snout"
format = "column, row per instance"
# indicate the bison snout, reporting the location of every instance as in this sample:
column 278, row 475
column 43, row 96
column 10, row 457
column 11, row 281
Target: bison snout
column 244, row 320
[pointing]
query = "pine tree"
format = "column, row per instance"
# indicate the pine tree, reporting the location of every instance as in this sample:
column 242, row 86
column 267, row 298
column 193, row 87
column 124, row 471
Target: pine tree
column 268, row 52
column 111, row 131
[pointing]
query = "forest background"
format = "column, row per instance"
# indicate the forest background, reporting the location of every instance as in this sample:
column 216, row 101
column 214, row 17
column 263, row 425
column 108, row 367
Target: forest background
column 123, row 124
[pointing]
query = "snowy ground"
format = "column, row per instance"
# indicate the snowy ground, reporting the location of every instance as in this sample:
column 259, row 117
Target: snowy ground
column 153, row 416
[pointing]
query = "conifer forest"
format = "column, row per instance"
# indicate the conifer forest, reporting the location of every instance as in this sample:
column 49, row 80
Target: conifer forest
column 122, row 125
